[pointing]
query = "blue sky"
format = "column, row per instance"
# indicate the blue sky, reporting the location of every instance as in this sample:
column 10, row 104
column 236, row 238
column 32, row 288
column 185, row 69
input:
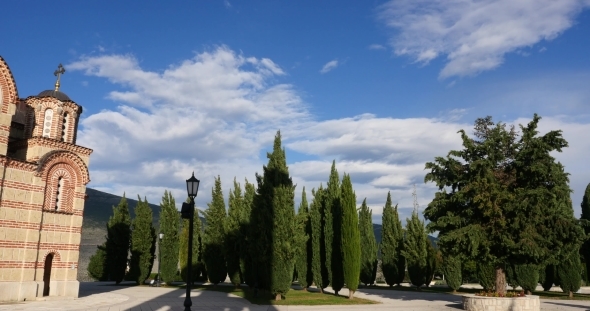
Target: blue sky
column 380, row 86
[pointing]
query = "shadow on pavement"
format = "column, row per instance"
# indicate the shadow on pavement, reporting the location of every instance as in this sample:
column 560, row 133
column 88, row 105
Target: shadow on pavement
column 571, row 305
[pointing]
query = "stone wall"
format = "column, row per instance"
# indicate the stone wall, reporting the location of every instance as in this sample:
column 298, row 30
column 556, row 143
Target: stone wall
column 480, row 303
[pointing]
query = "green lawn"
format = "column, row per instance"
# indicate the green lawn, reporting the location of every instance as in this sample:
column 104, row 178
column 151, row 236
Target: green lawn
column 293, row 298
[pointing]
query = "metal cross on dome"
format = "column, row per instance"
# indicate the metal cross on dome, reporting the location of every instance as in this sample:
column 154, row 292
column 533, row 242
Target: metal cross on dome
column 60, row 71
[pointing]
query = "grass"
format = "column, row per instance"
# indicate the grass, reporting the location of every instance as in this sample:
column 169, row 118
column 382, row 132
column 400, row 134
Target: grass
column 445, row 289
column 293, row 298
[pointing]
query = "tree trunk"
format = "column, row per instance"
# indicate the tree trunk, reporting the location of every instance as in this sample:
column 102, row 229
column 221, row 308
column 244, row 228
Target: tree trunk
column 350, row 294
column 336, row 293
column 305, row 289
column 571, row 295
column 454, row 291
column 278, row 297
column 321, row 291
column 500, row 280
column 528, row 292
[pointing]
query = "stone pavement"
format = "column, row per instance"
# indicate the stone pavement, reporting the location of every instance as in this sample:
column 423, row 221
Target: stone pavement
column 104, row 296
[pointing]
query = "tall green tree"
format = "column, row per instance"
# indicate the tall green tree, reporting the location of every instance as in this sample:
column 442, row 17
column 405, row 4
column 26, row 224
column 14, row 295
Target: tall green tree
column 319, row 269
column 304, row 253
column 97, row 267
column 214, row 236
column 416, row 250
column 143, row 242
column 486, row 274
column 169, row 226
column 585, row 250
column 118, row 241
column 276, row 238
column 333, row 230
column 392, row 240
column 351, row 241
column 527, row 277
column 452, row 271
column 368, row 244
column 183, row 247
column 549, row 277
column 233, row 234
column 501, row 198
column 246, row 262
column 569, row 273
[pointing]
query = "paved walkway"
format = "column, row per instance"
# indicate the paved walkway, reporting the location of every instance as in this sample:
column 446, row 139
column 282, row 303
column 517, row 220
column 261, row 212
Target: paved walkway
column 97, row 296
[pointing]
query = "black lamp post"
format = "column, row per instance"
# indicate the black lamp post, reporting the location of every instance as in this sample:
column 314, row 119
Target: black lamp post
column 161, row 236
column 188, row 211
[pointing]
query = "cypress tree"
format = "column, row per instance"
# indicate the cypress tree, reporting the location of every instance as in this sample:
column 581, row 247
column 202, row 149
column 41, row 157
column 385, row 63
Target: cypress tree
column 169, row 225
column 97, row 267
column 274, row 215
column 511, row 279
column 118, row 240
column 214, row 236
column 320, row 273
column 452, row 271
column 333, row 230
column 416, row 250
column 368, row 244
column 232, row 234
column 432, row 262
column 304, row 252
column 392, row 260
column 569, row 274
column 486, row 274
column 351, row 243
column 527, row 276
column 246, row 262
column 183, row 247
column 549, row 277
column 143, row 243
column 585, row 217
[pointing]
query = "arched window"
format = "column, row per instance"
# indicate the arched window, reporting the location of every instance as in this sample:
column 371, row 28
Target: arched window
column 64, row 128
column 47, row 121
column 59, row 193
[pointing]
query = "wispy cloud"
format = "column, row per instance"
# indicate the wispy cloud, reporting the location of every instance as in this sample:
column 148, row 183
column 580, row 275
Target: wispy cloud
column 329, row 66
column 474, row 35
column 227, row 4
column 376, row 47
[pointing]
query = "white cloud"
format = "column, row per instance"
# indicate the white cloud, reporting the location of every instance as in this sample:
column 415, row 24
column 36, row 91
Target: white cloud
column 376, row 47
column 216, row 114
column 474, row 35
column 227, row 4
column 329, row 66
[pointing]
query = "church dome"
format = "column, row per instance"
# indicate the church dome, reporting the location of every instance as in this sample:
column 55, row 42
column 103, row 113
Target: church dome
column 57, row 94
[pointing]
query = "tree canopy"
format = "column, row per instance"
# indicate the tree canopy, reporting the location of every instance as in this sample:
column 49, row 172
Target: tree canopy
column 503, row 198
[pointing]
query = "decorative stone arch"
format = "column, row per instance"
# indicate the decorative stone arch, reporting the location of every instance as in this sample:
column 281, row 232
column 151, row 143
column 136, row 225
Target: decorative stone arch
column 56, row 256
column 8, row 91
column 62, row 171
column 62, row 156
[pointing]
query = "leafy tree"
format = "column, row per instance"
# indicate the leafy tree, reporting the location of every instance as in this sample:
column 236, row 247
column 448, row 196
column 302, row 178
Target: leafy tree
column 392, row 260
column 183, row 247
column 169, row 225
column 452, row 272
column 232, row 234
column 368, row 244
column 569, row 274
column 333, row 230
column 118, row 240
column 527, row 277
column 511, row 279
column 213, row 251
column 500, row 199
column 319, row 269
column 143, row 242
column 304, row 253
column 486, row 274
column 246, row 262
column 351, row 242
column 585, row 250
column 97, row 267
column 275, row 237
column 432, row 262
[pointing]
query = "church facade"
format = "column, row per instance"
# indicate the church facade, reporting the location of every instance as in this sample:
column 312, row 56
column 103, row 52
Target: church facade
column 43, row 177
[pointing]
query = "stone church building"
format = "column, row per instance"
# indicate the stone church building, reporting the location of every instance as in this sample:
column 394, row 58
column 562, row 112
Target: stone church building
column 43, row 177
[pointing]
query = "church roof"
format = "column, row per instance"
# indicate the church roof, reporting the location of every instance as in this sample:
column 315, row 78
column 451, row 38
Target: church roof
column 56, row 94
